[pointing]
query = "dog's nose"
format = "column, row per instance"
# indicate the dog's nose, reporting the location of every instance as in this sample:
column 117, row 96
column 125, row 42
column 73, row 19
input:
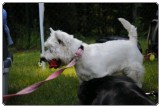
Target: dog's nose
column 43, row 59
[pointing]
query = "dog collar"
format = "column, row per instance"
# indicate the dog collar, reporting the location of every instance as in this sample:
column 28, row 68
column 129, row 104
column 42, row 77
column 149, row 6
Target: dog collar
column 79, row 51
column 81, row 47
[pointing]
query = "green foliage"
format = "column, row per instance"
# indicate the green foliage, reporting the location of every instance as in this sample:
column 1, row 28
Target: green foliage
column 29, row 39
column 138, row 22
column 87, row 19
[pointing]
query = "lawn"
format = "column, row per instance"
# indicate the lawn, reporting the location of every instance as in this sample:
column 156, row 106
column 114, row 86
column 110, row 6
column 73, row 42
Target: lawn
column 62, row 90
column 25, row 71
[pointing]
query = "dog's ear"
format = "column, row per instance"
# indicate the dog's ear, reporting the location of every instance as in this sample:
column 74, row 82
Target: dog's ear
column 52, row 32
column 63, row 38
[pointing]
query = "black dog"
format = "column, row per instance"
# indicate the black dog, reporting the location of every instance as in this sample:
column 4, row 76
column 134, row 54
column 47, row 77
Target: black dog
column 112, row 90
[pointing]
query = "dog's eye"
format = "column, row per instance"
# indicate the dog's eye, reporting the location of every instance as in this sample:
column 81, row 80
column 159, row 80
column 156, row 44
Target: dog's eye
column 60, row 42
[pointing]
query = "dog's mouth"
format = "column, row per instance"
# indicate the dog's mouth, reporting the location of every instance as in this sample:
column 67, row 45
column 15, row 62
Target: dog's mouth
column 54, row 63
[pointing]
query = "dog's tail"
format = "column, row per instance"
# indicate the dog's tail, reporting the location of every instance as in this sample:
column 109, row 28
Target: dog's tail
column 132, row 30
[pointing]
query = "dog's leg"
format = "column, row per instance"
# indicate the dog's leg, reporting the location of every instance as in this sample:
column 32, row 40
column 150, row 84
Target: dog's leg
column 136, row 72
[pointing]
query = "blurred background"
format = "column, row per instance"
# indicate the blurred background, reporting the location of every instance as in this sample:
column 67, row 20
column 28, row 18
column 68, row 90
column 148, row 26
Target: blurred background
column 84, row 20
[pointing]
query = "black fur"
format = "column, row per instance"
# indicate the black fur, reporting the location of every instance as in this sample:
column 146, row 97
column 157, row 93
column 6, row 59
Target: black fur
column 112, row 90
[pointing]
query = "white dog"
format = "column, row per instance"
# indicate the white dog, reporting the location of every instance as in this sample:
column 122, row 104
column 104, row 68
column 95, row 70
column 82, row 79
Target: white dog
column 97, row 60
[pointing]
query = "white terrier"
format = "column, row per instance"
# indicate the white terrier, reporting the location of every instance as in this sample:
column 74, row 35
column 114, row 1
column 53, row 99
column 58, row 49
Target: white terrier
column 100, row 59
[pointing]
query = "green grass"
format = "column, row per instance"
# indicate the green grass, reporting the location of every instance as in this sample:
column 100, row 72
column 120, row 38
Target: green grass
column 25, row 71
column 151, row 70
column 151, row 76
column 62, row 90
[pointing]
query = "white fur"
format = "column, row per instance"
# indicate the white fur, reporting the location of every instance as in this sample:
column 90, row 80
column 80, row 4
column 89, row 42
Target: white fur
column 99, row 59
